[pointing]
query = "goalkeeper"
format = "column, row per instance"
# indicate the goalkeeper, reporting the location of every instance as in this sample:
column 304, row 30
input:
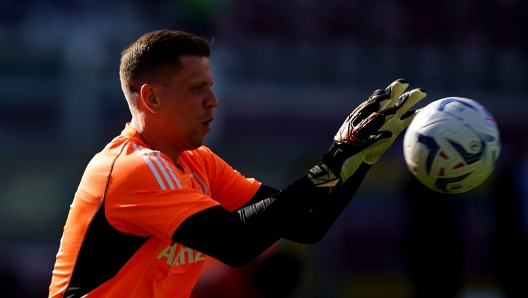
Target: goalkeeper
column 155, row 202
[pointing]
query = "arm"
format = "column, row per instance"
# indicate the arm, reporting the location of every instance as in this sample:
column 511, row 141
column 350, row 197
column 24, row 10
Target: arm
column 235, row 238
column 298, row 214
column 306, row 209
column 310, row 227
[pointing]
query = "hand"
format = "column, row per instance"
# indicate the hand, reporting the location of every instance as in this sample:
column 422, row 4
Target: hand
column 367, row 133
column 400, row 105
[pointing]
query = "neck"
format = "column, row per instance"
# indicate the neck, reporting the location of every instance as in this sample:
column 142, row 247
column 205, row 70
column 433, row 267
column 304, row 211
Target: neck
column 152, row 138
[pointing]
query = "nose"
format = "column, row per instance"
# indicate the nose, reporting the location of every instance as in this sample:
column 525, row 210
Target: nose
column 211, row 101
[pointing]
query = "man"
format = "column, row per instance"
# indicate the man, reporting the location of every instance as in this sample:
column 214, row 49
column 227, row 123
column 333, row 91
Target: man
column 155, row 202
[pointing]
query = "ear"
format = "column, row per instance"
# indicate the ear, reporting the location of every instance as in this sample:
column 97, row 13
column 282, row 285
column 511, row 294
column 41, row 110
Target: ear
column 147, row 95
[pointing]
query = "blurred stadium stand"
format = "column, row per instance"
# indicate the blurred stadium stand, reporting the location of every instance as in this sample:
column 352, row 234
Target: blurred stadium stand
column 287, row 74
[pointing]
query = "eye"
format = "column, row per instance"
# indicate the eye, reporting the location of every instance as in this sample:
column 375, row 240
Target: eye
column 198, row 88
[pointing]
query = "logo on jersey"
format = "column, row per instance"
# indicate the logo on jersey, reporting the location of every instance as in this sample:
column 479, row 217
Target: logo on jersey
column 178, row 254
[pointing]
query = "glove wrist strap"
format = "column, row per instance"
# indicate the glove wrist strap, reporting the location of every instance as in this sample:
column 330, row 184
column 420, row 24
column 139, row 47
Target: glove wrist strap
column 321, row 176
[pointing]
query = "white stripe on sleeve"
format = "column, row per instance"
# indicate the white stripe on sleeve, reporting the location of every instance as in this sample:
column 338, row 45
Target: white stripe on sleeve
column 162, row 168
column 170, row 171
column 151, row 166
column 197, row 183
column 204, row 185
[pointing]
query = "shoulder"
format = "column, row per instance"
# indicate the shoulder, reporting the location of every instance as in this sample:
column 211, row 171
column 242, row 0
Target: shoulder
column 202, row 155
column 137, row 156
column 201, row 152
column 139, row 165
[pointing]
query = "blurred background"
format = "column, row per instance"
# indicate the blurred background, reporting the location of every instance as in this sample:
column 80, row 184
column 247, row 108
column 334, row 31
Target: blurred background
column 287, row 74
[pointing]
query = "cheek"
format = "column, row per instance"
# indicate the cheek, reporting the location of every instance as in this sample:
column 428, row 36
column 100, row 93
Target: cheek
column 185, row 119
column 185, row 115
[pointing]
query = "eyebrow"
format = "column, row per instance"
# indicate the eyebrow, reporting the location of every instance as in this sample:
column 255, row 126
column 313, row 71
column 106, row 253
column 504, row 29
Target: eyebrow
column 197, row 80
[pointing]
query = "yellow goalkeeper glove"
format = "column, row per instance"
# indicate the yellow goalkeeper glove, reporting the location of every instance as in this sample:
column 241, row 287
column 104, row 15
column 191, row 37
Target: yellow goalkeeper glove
column 366, row 133
column 400, row 105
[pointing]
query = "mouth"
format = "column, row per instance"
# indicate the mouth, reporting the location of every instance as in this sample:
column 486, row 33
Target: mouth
column 208, row 122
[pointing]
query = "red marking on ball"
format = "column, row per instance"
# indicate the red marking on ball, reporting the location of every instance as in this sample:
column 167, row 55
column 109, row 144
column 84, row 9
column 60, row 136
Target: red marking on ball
column 458, row 165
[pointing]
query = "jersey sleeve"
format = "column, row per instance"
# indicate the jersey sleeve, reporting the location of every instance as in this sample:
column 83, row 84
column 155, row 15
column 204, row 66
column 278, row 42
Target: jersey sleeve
column 146, row 194
column 228, row 186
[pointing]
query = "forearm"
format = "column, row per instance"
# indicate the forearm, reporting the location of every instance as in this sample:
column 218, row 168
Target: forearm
column 301, row 212
column 236, row 238
column 310, row 227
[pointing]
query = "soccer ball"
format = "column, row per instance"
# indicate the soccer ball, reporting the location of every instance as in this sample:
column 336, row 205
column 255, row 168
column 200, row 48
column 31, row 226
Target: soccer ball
column 452, row 145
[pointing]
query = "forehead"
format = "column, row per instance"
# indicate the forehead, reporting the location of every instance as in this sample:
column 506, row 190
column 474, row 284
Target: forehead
column 194, row 68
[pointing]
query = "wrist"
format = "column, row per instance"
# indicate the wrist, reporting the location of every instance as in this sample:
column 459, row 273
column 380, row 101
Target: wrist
column 322, row 176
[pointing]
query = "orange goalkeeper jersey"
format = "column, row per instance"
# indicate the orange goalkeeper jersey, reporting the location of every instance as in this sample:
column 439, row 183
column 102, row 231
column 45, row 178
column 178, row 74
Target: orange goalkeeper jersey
column 117, row 238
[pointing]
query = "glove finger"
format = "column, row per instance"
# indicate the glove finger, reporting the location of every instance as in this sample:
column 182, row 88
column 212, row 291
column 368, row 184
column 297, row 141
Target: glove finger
column 376, row 137
column 372, row 105
column 395, row 90
column 409, row 99
column 371, row 125
column 363, row 111
column 372, row 100
column 389, row 113
column 408, row 117
column 383, row 135
column 381, row 99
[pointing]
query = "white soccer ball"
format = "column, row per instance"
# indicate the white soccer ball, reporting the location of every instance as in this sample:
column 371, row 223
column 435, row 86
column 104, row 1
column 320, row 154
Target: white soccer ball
column 452, row 145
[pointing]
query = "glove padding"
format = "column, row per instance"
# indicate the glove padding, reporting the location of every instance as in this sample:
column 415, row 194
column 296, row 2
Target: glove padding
column 367, row 133
column 400, row 107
